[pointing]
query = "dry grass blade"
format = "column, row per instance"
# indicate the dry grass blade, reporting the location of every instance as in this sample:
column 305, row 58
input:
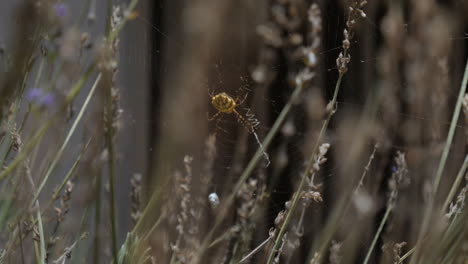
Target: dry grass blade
column 70, row 133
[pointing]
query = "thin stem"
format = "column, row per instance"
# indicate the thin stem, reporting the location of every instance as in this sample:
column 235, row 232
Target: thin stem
column 79, row 84
column 39, row 247
column 36, row 246
column 453, row 126
column 41, row 236
column 151, row 230
column 110, row 145
column 109, row 17
column 344, row 202
column 39, row 73
column 83, row 227
column 11, row 191
column 405, row 256
column 21, row 241
column 448, row 231
column 443, row 161
column 454, row 235
column 112, row 35
column 112, row 206
column 255, row 250
column 377, row 234
column 305, row 175
column 97, row 220
column 366, row 169
column 456, row 184
column 70, row 133
column 70, row 173
column 220, row 239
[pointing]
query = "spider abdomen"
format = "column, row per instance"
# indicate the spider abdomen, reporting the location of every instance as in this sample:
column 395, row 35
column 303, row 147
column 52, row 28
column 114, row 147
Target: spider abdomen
column 223, row 103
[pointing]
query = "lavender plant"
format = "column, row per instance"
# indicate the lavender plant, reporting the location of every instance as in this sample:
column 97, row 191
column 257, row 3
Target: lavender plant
column 336, row 132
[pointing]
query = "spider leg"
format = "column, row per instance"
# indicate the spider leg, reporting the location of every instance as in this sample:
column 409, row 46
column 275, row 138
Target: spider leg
column 210, row 93
column 243, row 121
column 214, row 116
column 217, row 122
column 220, row 128
column 239, row 102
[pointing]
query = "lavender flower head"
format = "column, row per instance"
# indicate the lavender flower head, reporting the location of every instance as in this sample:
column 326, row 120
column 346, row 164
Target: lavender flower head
column 33, row 94
column 60, row 10
column 48, row 99
column 38, row 96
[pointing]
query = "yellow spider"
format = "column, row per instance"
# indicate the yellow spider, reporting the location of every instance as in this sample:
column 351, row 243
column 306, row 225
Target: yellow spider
column 226, row 104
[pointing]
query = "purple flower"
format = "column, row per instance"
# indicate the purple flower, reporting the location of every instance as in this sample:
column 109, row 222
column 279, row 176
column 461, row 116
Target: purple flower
column 34, row 94
column 38, row 96
column 61, row 10
column 48, row 99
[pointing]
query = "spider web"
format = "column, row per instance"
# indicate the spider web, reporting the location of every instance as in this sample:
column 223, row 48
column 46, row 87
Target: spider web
column 227, row 76
column 227, row 127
